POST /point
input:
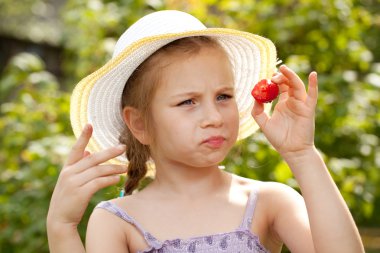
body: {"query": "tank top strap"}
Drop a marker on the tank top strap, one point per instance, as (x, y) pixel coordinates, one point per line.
(250, 207)
(119, 212)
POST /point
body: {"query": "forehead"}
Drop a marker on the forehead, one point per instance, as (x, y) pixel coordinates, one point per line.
(209, 66)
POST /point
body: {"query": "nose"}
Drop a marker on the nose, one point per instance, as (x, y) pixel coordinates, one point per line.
(211, 116)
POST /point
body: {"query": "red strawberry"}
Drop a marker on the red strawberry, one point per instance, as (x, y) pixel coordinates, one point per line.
(265, 91)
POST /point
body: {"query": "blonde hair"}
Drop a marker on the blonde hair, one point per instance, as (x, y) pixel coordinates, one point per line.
(139, 92)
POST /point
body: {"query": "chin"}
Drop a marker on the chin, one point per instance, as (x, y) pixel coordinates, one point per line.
(213, 161)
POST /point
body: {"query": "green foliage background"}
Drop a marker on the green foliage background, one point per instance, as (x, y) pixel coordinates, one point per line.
(336, 38)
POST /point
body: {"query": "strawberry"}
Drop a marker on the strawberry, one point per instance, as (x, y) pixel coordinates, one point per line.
(265, 91)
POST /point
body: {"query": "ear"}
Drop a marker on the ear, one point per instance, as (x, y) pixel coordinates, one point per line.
(135, 122)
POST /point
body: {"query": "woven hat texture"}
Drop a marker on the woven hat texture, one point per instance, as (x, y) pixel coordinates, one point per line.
(97, 98)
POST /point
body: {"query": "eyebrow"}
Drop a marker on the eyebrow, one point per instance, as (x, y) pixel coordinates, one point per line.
(229, 88)
(226, 88)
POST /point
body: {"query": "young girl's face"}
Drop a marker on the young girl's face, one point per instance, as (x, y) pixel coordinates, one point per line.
(195, 115)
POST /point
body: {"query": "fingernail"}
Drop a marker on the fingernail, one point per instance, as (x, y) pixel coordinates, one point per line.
(87, 127)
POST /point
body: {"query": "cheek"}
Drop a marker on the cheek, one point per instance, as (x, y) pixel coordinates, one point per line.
(234, 119)
(165, 127)
(154, 128)
(234, 113)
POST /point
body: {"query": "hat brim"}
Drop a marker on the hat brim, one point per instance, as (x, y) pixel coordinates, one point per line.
(97, 98)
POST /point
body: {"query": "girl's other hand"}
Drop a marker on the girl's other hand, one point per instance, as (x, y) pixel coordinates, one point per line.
(290, 128)
(82, 175)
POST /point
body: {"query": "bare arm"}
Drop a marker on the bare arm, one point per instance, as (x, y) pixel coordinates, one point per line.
(79, 179)
(290, 130)
(113, 240)
(332, 226)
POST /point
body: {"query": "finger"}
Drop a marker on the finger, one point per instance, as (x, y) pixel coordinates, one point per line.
(312, 89)
(279, 78)
(283, 86)
(296, 86)
(283, 89)
(99, 183)
(259, 114)
(100, 171)
(78, 149)
(98, 158)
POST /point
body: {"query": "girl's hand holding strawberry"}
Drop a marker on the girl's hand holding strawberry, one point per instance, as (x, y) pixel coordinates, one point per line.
(290, 128)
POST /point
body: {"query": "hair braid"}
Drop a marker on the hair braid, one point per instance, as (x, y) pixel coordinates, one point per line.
(137, 155)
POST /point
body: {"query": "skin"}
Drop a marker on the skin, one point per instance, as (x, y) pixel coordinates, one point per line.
(197, 114)
(81, 176)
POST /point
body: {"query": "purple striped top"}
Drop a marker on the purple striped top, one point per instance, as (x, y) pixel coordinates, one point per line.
(240, 240)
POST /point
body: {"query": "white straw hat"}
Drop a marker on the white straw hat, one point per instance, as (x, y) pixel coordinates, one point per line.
(97, 98)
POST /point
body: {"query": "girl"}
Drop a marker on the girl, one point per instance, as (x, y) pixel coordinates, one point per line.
(176, 95)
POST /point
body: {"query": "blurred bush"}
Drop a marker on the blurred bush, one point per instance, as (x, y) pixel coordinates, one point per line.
(35, 136)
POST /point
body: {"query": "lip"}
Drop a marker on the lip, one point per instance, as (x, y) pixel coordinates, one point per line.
(214, 141)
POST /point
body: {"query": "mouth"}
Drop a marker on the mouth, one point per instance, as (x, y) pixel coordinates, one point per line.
(214, 141)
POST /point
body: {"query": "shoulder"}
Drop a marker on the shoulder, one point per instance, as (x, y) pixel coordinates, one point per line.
(97, 240)
(275, 191)
(279, 192)
(287, 215)
(280, 212)
(279, 202)
(102, 217)
(114, 211)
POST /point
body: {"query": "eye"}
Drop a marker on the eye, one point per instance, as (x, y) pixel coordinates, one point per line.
(223, 97)
(186, 102)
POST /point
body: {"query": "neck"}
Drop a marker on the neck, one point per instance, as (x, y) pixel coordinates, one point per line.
(191, 182)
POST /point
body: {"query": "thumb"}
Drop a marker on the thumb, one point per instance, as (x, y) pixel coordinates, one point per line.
(259, 114)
